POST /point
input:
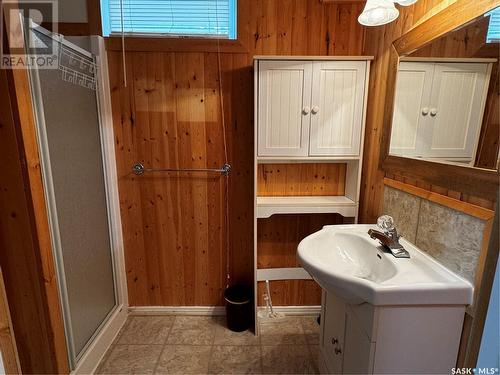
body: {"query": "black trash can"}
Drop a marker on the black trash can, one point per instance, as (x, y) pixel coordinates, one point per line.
(238, 307)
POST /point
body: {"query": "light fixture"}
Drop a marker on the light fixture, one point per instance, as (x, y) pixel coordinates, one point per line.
(378, 12)
(405, 3)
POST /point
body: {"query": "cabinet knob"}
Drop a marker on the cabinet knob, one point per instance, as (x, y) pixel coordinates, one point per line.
(334, 341)
(338, 351)
(425, 111)
(434, 112)
(315, 109)
(306, 110)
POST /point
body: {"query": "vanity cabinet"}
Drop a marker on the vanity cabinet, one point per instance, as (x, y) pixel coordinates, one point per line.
(439, 108)
(367, 339)
(310, 108)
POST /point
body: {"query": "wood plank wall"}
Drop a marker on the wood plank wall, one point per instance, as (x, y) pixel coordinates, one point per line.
(168, 116)
(378, 42)
(20, 256)
(301, 179)
(278, 238)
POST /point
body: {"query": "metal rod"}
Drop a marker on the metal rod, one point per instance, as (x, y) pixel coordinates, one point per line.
(139, 169)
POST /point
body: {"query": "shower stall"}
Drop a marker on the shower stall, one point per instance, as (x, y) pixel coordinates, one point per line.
(75, 141)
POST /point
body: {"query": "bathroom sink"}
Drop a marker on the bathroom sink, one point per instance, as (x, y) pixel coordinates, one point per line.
(344, 260)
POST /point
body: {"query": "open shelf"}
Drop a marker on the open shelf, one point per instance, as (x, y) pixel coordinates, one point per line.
(268, 206)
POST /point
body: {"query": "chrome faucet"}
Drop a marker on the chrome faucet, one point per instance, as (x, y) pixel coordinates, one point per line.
(389, 237)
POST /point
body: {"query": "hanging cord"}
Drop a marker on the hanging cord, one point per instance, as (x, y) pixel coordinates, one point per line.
(223, 120)
(123, 46)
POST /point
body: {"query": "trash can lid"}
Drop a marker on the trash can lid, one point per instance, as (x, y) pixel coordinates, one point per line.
(238, 294)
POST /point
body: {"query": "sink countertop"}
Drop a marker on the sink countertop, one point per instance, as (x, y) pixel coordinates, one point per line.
(345, 260)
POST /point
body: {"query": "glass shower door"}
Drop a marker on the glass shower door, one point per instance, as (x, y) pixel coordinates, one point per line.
(69, 136)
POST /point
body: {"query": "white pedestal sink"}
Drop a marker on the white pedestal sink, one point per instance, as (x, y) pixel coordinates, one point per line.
(382, 314)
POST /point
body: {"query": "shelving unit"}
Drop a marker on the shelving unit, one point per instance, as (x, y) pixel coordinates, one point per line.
(268, 206)
(310, 120)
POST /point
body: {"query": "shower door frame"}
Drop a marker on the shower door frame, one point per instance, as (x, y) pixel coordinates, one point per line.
(87, 360)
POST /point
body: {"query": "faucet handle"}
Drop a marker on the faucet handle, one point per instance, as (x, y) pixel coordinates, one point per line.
(386, 223)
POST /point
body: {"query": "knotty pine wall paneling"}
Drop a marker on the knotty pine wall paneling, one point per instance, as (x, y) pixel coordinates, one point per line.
(306, 179)
(277, 239)
(169, 116)
(25, 257)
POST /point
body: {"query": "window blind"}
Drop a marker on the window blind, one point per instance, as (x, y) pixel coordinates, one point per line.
(215, 18)
(493, 35)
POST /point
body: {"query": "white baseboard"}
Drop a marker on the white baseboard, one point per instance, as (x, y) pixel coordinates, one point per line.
(177, 310)
(215, 310)
(295, 310)
(95, 352)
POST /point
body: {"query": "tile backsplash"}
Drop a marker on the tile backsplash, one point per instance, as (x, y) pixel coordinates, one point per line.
(450, 236)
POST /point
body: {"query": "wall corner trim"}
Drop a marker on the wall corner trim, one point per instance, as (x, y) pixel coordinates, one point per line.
(455, 204)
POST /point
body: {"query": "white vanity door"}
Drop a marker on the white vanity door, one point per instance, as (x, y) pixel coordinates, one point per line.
(284, 100)
(457, 105)
(411, 108)
(333, 327)
(337, 108)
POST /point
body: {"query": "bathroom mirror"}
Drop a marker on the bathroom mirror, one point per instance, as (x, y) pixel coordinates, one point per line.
(446, 101)
(441, 120)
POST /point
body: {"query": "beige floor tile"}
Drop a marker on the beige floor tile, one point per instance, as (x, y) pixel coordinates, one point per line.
(184, 359)
(311, 329)
(235, 360)
(285, 331)
(146, 330)
(131, 359)
(224, 336)
(193, 330)
(287, 359)
(315, 357)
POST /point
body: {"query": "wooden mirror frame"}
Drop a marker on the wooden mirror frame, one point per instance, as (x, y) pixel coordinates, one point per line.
(479, 182)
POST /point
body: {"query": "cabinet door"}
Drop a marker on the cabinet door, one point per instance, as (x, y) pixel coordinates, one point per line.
(337, 107)
(411, 108)
(359, 351)
(457, 106)
(333, 322)
(284, 100)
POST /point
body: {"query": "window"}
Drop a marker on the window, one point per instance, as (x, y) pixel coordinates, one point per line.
(201, 18)
(493, 35)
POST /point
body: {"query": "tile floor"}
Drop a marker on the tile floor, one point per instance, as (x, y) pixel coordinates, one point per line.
(203, 345)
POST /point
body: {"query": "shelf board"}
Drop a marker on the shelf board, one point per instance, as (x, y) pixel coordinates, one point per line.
(271, 274)
(268, 206)
(308, 159)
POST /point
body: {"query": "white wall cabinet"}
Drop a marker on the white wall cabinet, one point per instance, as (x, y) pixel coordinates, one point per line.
(367, 339)
(337, 107)
(284, 104)
(310, 108)
(439, 109)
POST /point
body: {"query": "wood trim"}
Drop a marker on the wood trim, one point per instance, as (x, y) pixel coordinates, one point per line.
(25, 121)
(450, 59)
(474, 181)
(486, 274)
(482, 183)
(94, 17)
(444, 200)
(8, 347)
(168, 44)
(450, 18)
